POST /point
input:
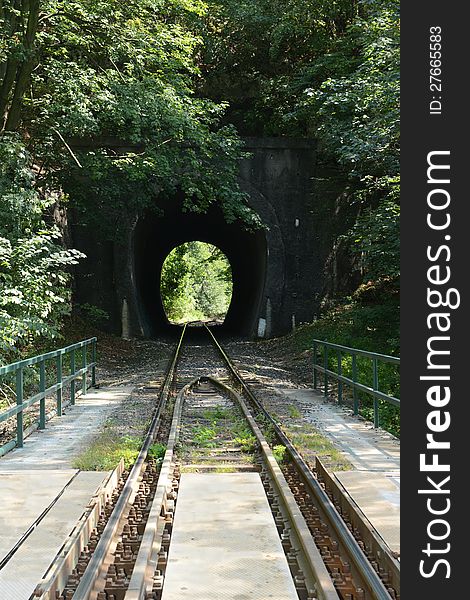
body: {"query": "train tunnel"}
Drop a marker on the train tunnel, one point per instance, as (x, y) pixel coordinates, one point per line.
(156, 236)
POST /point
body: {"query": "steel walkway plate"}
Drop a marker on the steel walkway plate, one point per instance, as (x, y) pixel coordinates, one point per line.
(378, 497)
(225, 542)
(23, 497)
(21, 574)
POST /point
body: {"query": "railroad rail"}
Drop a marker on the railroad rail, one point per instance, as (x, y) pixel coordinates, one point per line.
(371, 561)
(128, 556)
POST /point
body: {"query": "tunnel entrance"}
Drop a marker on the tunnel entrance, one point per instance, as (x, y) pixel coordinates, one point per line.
(196, 284)
(278, 272)
(155, 236)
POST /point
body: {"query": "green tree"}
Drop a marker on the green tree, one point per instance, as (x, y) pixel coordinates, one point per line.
(18, 55)
(196, 282)
(34, 267)
(328, 70)
(120, 103)
(114, 115)
(258, 56)
(102, 97)
(357, 119)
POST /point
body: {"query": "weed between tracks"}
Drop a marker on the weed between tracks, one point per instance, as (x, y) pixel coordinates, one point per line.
(216, 437)
(314, 442)
(294, 412)
(121, 435)
(106, 451)
(226, 426)
(304, 437)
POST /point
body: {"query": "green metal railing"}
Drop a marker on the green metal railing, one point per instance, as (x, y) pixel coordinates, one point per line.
(59, 357)
(326, 351)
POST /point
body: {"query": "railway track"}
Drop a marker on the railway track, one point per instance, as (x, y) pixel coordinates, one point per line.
(207, 420)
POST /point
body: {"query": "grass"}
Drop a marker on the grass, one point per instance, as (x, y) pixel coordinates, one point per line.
(106, 450)
(244, 437)
(218, 426)
(357, 323)
(220, 469)
(217, 413)
(157, 451)
(247, 443)
(267, 428)
(313, 441)
(203, 436)
(279, 452)
(224, 420)
(294, 412)
(306, 439)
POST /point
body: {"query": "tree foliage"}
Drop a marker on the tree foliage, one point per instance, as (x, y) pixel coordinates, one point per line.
(323, 69)
(18, 23)
(34, 274)
(357, 119)
(112, 111)
(112, 105)
(196, 283)
(98, 108)
(261, 56)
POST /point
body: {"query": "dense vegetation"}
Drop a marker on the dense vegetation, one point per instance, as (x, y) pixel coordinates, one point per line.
(196, 283)
(34, 279)
(360, 323)
(179, 81)
(323, 69)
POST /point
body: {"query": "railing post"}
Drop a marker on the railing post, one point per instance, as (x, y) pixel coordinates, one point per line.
(19, 402)
(72, 372)
(93, 360)
(376, 387)
(340, 372)
(315, 376)
(354, 377)
(38, 399)
(42, 390)
(84, 366)
(325, 367)
(59, 383)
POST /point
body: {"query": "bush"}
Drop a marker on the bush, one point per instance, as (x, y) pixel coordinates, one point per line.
(34, 267)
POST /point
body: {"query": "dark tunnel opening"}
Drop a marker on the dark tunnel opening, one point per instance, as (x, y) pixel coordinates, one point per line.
(154, 238)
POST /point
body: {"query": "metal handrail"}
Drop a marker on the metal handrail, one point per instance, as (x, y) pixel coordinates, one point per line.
(356, 385)
(18, 368)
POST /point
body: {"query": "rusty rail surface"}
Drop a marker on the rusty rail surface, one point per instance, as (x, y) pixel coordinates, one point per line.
(93, 579)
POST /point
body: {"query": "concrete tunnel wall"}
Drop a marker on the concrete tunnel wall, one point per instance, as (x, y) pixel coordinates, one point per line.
(155, 237)
(278, 272)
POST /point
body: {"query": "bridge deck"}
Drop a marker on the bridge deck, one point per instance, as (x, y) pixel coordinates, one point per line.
(24, 496)
(224, 538)
(378, 497)
(31, 479)
(374, 482)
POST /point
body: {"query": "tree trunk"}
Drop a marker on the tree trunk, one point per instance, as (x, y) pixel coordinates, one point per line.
(9, 64)
(18, 74)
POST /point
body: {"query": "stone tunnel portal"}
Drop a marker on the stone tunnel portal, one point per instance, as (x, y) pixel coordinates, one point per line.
(153, 239)
(278, 273)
